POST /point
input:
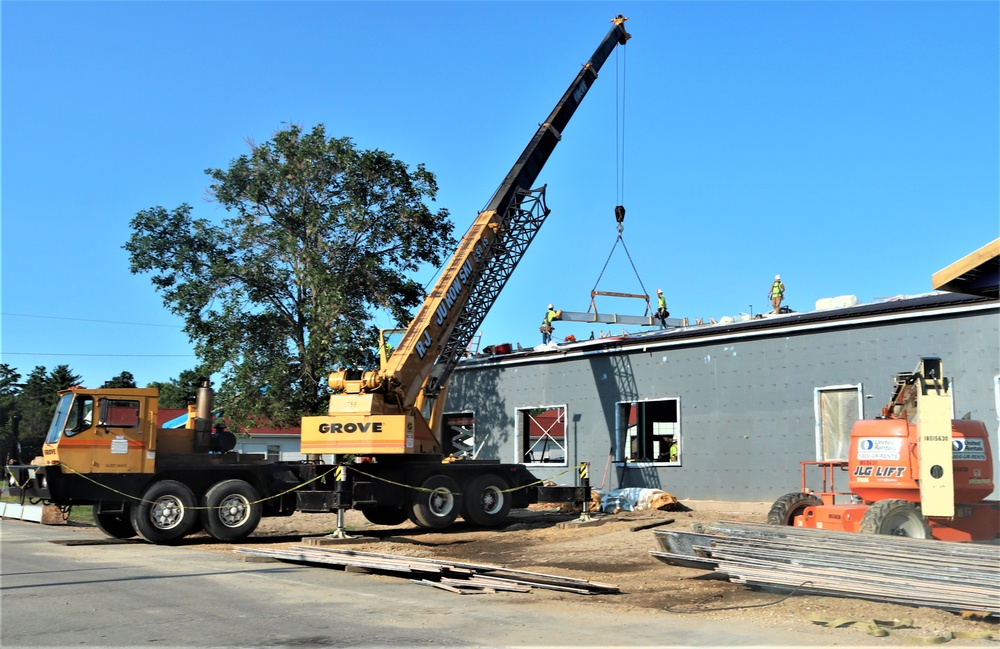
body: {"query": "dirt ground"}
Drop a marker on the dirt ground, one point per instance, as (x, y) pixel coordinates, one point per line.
(611, 552)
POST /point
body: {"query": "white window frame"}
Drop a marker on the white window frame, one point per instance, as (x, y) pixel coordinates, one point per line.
(622, 436)
(818, 414)
(520, 434)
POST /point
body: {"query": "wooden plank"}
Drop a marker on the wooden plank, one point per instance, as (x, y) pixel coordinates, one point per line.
(953, 271)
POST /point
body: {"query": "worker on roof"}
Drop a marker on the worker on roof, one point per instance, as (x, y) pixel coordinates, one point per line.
(661, 308)
(547, 327)
(777, 293)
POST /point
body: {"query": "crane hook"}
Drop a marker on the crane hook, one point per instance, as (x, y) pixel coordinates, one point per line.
(620, 217)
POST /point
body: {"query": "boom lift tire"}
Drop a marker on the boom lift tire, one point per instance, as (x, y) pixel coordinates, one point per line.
(384, 515)
(785, 509)
(232, 510)
(166, 512)
(114, 524)
(894, 517)
(437, 504)
(486, 501)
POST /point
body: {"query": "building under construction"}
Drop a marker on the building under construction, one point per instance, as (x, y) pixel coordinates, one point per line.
(726, 412)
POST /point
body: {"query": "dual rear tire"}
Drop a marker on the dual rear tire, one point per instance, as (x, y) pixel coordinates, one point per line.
(230, 511)
(485, 502)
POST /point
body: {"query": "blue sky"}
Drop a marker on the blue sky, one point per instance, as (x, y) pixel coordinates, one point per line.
(851, 147)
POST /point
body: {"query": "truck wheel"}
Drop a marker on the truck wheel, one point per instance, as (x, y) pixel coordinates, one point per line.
(785, 509)
(166, 512)
(895, 517)
(384, 515)
(232, 510)
(437, 505)
(486, 502)
(114, 524)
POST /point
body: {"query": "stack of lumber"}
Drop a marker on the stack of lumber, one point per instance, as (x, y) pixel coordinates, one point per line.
(453, 576)
(915, 572)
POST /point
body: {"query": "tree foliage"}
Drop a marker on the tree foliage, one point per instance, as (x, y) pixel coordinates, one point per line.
(176, 392)
(318, 236)
(123, 380)
(36, 402)
(9, 391)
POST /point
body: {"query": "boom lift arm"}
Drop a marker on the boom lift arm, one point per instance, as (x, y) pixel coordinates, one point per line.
(923, 397)
(389, 410)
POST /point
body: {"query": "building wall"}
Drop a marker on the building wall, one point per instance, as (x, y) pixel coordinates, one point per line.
(747, 396)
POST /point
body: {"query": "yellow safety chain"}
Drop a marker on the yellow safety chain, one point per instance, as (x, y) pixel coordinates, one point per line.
(338, 473)
(19, 486)
(322, 476)
(425, 489)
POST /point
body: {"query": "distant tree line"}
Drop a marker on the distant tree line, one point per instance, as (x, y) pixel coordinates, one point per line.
(30, 405)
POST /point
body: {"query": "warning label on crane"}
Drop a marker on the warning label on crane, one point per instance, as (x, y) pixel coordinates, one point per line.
(879, 448)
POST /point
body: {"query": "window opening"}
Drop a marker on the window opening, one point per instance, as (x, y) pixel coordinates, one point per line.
(122, 414)
(837, 408)
(542, 434)
(460, 435)
(81, 415)
(274, 452)
(649, 431)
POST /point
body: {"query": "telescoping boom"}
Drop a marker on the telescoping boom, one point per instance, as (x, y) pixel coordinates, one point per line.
(393, 410)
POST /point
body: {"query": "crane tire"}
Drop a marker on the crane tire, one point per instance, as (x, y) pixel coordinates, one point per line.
(231, 510)
(785, 509)
(114, 524)
(895, 517)
(437, 504)
(487, 502)
(166, 513)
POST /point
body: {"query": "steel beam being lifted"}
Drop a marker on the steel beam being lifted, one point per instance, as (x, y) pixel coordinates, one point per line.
(614, 318)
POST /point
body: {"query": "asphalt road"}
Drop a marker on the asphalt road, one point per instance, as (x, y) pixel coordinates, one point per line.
(67, 587)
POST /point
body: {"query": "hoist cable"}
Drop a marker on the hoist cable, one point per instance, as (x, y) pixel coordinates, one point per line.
(606, 263)
(625, 248)
(627, 254)
(620, 126)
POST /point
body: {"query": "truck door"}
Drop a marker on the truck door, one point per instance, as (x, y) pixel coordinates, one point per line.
(123, 440)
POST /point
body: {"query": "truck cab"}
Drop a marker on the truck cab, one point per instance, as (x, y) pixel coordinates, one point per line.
(103, 431)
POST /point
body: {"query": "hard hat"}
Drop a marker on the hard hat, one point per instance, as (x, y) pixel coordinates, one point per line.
(550, 306)
(777, 277)
(659, 290)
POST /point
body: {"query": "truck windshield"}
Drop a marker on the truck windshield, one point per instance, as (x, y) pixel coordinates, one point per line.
(62, 409)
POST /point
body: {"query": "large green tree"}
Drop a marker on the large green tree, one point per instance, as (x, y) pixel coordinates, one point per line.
(318, 236)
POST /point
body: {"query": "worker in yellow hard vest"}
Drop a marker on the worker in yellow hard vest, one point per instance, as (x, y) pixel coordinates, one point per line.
(777, 293)
(547, 327)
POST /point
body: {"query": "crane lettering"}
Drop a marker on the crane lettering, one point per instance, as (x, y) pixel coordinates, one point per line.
(453, 291)
(352, 427)
(424, 344)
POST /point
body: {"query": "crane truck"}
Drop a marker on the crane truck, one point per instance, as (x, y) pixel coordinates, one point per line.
(913, 472)
(384, 426)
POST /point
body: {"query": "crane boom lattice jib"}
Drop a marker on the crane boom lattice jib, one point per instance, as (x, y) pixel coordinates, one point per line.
(390, 411)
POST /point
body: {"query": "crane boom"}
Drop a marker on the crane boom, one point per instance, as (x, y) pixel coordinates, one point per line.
(388, 410)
